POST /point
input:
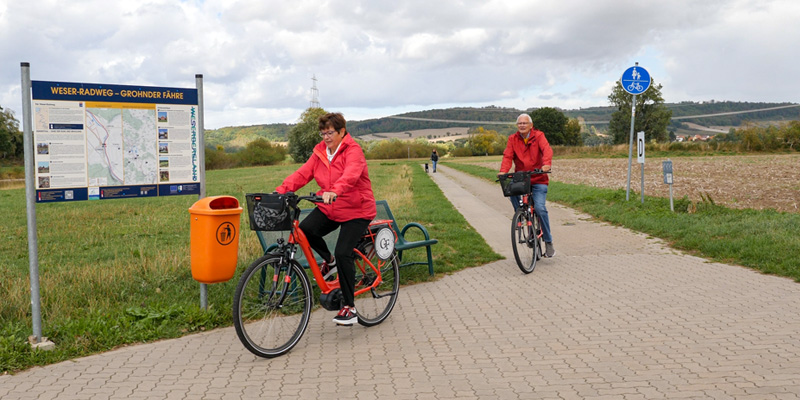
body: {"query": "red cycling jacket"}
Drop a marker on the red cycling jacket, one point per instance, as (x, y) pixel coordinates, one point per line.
(346, 175)
(526, 157)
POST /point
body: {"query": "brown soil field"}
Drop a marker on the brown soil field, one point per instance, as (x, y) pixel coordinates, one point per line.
(444, 134)
(757, 182)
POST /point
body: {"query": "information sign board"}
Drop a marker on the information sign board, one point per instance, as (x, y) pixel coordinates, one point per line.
(98, 141)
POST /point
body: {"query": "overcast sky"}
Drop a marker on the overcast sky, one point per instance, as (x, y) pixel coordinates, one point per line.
(374, 58)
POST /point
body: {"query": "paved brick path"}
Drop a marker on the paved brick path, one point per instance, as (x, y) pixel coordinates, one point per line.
(615, 315)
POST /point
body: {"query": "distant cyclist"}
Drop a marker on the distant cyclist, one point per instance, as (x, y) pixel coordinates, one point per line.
(339, 168)
(528, 149)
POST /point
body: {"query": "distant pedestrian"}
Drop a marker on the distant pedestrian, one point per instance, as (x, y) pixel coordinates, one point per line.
(434, 159)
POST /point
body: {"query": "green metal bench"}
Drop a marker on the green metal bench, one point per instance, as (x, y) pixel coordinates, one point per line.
(268, 239)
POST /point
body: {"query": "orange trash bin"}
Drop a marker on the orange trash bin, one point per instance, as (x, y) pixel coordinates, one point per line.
(214, 233)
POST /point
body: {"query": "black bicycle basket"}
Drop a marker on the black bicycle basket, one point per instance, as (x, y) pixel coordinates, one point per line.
(268, 212)
(516, 184)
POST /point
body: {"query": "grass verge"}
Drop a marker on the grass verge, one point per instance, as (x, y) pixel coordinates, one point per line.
(765, 240)
(118, 272)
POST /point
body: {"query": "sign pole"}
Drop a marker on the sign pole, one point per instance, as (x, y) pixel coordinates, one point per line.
(202, 166)
(666, 167)
(630, 147)
(30, 200)
(640, 155)
(642, 183)
(635, 80)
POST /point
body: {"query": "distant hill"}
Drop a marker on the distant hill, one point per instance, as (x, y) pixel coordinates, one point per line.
(688, 118)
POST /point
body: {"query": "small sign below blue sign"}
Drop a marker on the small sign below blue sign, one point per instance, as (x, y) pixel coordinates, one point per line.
(635, 80)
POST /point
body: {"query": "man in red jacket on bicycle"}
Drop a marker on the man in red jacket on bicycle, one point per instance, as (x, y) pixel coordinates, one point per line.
(528, 149)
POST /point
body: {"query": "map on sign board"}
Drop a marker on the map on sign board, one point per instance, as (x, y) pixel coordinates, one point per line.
(109, 141)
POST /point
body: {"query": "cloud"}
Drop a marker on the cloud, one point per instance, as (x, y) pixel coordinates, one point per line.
(258, 57)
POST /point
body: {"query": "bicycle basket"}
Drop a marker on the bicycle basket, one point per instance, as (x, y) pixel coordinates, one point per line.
(516, 184)
(268, 212)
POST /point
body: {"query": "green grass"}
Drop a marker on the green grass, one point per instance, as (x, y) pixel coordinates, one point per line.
(765, 240)
(118, 272)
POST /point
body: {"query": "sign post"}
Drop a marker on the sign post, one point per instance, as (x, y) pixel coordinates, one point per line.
(635, 80)
(640, 156)
(666, 167)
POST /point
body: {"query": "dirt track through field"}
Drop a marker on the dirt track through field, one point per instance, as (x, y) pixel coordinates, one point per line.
(758, 182)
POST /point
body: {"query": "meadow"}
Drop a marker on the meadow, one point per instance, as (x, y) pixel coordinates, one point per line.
(117, 272)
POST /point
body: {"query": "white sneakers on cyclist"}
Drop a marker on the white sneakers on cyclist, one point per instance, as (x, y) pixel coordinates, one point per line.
(347, 316)
(328, 269)
(549, 251)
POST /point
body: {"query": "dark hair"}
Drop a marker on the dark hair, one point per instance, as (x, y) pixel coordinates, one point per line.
(333, 120)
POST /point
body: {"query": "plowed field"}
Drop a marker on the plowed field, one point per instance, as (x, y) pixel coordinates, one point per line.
(758, 182)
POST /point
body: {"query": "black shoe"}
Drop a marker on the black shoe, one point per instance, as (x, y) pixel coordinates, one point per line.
(328, 270)
(347, 316)
(549, 250)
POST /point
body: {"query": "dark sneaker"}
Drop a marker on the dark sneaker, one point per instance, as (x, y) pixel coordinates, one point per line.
(347, 316)
(549, 250)
(328, 270)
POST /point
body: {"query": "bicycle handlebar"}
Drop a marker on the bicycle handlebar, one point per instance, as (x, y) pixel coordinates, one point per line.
(511, 174)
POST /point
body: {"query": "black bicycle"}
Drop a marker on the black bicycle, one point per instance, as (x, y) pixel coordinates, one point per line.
(526, 226)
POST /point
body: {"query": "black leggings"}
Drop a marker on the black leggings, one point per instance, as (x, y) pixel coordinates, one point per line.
(316, 225)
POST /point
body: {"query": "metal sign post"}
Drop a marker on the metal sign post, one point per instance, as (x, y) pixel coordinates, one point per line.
(640, 156)
(666, 167)
(201, 144)
(30, 201)
(635, 80)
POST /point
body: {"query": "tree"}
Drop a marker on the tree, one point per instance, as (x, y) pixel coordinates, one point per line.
(550, 121)
(652, 116)
(262, 152)
(305, 135)
(10, 136)
(487, 142)
(572, 133)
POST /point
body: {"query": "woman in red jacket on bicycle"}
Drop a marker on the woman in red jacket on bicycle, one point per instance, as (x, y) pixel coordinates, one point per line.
(339, 167)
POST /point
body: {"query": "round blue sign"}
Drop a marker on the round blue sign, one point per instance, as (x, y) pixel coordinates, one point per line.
(635, 80)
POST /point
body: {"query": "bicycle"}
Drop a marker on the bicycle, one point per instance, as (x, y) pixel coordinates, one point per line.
(526, 226)
(273, 300)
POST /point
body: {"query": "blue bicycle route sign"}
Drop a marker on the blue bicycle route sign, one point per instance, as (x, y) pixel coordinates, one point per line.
(635, 80)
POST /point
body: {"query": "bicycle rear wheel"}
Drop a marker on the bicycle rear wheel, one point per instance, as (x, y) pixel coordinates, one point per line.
(271, 306)
(374, 305)
(523, 240)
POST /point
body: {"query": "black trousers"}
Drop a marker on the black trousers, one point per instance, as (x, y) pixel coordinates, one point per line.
(316, 225)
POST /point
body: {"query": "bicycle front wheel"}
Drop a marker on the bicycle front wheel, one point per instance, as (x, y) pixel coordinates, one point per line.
(271, 306)
(375, 304)
(523, 240)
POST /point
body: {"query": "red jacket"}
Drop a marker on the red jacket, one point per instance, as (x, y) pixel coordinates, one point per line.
(533, 155)
(346, 175)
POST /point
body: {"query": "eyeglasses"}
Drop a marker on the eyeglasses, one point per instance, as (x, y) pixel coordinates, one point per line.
(523, 123)
(326, 133)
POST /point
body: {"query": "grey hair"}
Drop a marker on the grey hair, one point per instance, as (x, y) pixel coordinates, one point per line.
(528, 117)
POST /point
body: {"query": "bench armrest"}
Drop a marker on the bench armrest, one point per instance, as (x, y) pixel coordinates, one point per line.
(414, 225)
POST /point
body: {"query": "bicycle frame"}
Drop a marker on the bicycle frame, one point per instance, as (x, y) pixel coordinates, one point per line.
(298, 238)
(526, 201)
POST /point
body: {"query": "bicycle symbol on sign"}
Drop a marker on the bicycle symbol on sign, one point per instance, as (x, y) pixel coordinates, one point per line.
(635, 85)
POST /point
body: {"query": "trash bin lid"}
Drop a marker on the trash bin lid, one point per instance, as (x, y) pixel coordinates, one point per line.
(216, 205)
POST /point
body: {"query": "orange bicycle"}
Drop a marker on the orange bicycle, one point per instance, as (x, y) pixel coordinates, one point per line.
(273, 301)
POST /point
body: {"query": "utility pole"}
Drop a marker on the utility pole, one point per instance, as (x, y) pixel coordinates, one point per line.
(314, 92)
